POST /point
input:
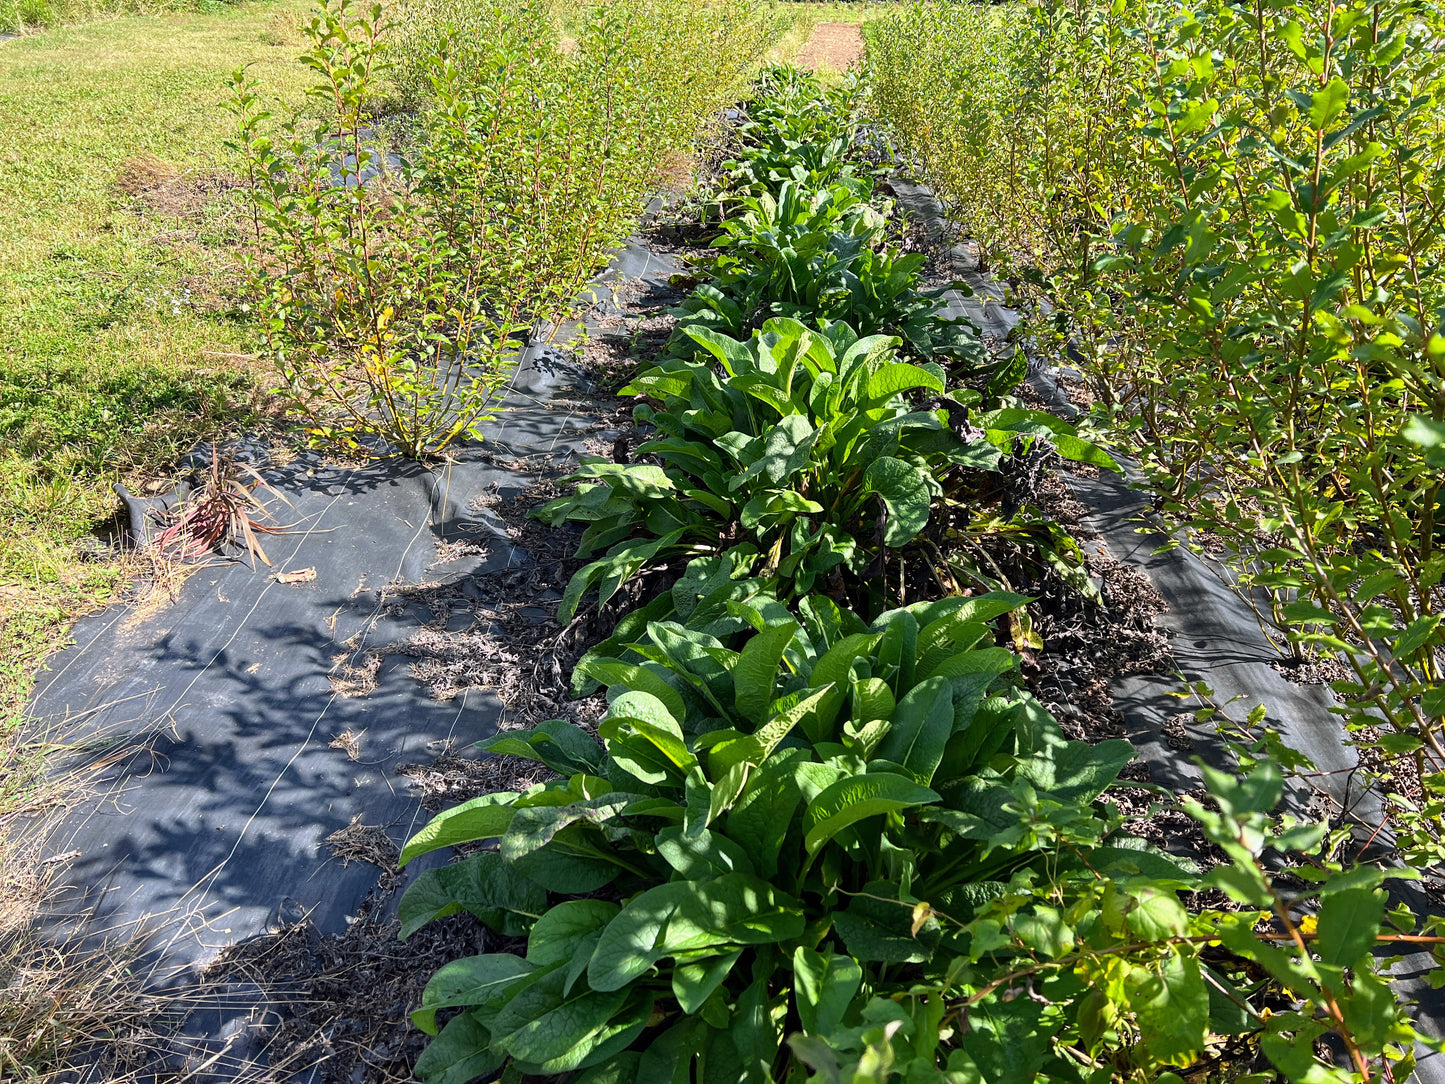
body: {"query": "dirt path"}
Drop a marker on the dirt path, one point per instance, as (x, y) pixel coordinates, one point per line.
(832, 45)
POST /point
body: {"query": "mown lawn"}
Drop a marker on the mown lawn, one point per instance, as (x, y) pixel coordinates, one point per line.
(120, 345)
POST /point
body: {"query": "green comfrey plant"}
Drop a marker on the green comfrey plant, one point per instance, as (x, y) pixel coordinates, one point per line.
(799, 446)
(1110, 978)
(757, 841)
(797, 130)
(818, 255)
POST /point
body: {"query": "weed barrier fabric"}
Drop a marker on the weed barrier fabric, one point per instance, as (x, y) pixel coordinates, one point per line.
(1214, 637)
(214, 716)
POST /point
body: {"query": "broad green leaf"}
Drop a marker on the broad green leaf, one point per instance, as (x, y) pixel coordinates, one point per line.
(568, 864)
(757, 670)
(621, 563)
(1076, 771)
(556, 937)
(877, 927)
(837, 661)
(618, 1069)
(947, 638)
(856, 798)
(991, 661)
(694, 983)
(1349, 922)
(1171, 1004)
(756, 1031)
(1256, 792)
(481, 818)
(1045, 930)
(1157, 915)
(611, 672)
(554, 1030)
(533, 827)
(1007, 1040)
(459, 1055)
(472, 980)
(681, 916)
(560, 745)
(890, 379)
(905, 495)
(756, 748)
(1328, 103)
(823, 986)
(873, 699)
(921, 725)
(782, 452)
(899, 649)
(482, 884)
(761, 817)
(701, 855)
(669, 1057)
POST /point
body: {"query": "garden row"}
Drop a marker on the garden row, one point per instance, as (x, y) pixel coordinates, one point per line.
(822, 832)
(1231, 217)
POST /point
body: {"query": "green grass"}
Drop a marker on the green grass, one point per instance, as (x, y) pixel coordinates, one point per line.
(120, 344)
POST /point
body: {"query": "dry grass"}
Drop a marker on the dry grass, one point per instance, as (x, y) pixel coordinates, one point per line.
(58, 1005)
(161, 188)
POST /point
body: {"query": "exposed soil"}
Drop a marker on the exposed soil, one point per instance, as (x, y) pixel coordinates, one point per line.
(158, 187)
(832, 45)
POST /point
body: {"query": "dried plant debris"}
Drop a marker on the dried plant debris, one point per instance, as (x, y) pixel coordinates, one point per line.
(450, 779)
(1175, 731)
(349, 742)
(351, 676)
(448, 550)
(222, 514)
(329, 1009)
(1319, 670)
(1087, 646)
(158, 187)
(359, 842)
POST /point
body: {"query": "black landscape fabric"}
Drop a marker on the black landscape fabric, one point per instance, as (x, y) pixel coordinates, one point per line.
(263, 710)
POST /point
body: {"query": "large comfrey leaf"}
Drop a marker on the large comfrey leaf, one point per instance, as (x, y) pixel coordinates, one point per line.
(483, 884)
(905, 492)
(685, 916)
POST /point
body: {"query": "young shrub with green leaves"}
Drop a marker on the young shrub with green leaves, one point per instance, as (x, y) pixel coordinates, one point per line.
(394, 290)
(1232, 212)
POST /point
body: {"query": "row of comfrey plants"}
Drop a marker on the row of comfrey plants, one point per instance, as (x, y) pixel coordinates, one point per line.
(464, 170)
(824, 840)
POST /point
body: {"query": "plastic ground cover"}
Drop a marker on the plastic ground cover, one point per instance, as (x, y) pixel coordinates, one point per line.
(216, 714)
